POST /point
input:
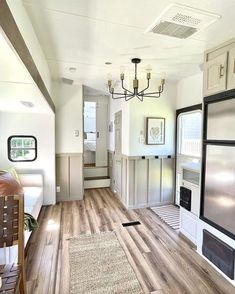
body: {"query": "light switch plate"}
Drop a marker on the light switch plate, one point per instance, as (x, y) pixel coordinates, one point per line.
(57, 189)
(76, 133)
(141, 140)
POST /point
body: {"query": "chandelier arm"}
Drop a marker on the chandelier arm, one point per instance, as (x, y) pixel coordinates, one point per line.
(140, 97)
(116, 93)
(130, 97)
(126, 89)
(123, 96)
(151, 96)
(153, 93)
(158, 92)
(139, 93)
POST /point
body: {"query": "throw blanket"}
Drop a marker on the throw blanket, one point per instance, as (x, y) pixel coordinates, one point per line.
(30, 223)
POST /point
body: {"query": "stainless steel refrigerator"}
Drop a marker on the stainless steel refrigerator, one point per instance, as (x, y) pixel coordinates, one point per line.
(218, 163)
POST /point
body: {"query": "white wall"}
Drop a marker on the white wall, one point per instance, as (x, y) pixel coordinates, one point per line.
(134, 113)
(23, 22)
(189, 91)
(42, 126)
(69, 117)
(161, 107)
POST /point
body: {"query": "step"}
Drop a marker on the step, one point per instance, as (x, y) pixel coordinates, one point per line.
(95, 171)
(96, 182)
(96, 178)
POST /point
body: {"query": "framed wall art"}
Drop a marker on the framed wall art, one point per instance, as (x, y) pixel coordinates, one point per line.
(155, 131)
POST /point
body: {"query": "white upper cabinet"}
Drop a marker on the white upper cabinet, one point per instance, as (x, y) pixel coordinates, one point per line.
(219, 69)
(231, 69)
(215, 75)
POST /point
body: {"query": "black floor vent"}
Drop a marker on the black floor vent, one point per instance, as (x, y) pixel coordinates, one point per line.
(133, 223)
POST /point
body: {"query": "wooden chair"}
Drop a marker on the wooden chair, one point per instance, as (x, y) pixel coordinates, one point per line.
(12, 233)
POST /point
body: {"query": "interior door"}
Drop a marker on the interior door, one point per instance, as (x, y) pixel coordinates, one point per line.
(118, 151)
(102, 130)
(118, 132)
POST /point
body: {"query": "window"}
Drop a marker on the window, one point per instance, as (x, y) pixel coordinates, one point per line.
(190, 133)
(22, 148)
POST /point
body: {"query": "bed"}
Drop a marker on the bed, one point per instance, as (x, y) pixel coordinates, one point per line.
(89, 151)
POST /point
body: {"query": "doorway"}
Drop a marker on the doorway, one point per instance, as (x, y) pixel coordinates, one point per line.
(90, 134)
(95, 142)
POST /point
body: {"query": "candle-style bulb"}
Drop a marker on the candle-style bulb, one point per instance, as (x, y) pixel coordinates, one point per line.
(122, 69)
(163, 81)
(148, 68)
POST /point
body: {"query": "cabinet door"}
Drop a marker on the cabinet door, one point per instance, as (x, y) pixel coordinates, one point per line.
(215, 75)
(231, 69)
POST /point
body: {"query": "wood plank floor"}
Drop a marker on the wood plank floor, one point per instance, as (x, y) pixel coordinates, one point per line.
(162, 260)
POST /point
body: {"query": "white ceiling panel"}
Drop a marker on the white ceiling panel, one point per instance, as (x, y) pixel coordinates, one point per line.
(86, 34)
(16, 84)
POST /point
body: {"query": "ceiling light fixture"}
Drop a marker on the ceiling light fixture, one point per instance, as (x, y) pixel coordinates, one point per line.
(108, 63)
(127, 94)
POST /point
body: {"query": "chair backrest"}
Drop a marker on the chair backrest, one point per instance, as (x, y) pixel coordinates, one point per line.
(12, 223)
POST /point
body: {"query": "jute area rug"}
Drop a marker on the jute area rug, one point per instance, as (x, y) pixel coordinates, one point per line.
(98, 264)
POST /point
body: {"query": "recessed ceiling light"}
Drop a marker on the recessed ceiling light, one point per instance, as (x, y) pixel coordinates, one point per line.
(72, 69)
(108, 63)
(27, 104)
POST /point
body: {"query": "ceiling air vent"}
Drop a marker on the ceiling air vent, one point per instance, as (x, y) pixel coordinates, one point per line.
(181, 21)
(67, 81)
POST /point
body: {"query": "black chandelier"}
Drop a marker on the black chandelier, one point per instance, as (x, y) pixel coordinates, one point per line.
(127, 95)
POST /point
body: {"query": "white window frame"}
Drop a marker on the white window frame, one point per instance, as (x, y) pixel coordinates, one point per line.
(179, 131)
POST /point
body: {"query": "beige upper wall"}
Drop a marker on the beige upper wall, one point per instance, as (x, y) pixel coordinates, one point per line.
(69, 117)
(189, 91)
(24, 24)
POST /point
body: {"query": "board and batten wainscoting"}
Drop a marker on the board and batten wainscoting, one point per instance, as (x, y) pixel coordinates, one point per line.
(69, 176)
(142, 181)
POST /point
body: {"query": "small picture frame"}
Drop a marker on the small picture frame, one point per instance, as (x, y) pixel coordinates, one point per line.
(155, 130)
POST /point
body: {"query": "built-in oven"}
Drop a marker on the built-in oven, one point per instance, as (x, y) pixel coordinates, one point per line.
(185, 198)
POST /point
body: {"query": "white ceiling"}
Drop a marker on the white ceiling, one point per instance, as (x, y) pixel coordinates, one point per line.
(16, 83)
(87, 33)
